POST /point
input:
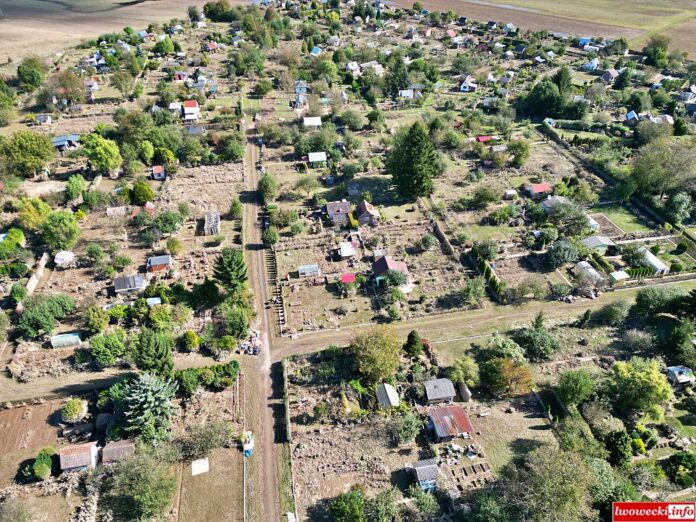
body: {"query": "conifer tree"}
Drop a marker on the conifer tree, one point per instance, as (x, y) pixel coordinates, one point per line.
(413, 162)
(230, 269)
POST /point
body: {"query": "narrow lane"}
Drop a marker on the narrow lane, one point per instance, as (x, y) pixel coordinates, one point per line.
(255, 254)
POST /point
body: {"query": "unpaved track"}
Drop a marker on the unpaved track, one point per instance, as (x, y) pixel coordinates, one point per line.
(257, 276)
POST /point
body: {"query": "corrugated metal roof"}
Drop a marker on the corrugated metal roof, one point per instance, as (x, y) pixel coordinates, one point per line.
(450, 421)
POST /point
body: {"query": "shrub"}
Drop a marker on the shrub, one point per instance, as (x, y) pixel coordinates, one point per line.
(613, 313)
(74, 411)
(682, 247)
(676, 267)
(638, 446)
(638, 340)
(43, 464)
(191, 341)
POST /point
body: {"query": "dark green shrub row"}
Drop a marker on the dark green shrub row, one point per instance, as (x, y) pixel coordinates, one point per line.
(219, 376)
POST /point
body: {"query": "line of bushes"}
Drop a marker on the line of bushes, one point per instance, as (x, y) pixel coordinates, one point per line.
(495, 284)
(219, 376)
(601, 264)
(639, 272)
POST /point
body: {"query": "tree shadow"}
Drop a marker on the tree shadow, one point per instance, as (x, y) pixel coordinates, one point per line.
(522, 446)
(319, 511)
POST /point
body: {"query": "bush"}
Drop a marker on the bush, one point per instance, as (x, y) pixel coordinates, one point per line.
(638, 340)
(43, 464)
(74, 411)
(682, 247)
(613, 314)
(405, 428)
(638, 446)
(575, 386)
(676, 267)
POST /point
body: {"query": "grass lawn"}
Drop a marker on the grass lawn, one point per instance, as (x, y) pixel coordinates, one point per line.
(508, 436)
(287, 501)
(683, 420)
(623, 218)
(216, 495)
(500, 233)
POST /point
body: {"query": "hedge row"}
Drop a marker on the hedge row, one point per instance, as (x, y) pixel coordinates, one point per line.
(219, 376)
(489, 274)
(639, 272)
(598, 261)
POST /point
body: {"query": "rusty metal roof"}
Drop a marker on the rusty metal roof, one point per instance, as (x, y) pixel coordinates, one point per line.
(450, 421)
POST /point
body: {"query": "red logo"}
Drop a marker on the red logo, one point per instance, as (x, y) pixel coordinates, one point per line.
(653, 512)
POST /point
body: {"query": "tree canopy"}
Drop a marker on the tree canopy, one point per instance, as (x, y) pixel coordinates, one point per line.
(413, 162)
(26, 153)
(377, 353)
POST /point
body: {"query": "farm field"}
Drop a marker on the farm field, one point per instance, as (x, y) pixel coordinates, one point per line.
(46, 27)
(607, 18)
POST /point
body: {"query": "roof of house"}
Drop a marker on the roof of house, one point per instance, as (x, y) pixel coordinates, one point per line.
(159, 260)
(386, 395)
(386, 263)
(133, 282)
(77, 456)
(66, 138)
(316, 156)
(158, 169)
(118, 450)
(539, 188)
(346, 248)
(439, 389)
(597, 241)
(425, 470)
(312, 121)
(347, 278)
(190, 104)
(450, 421)
(334, 208)
(365, 207)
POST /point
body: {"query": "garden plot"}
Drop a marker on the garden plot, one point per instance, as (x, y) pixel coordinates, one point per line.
(510, 429)
(515, 270)
(204, 188)
(25, 430)
(328, 459)
(616, 220)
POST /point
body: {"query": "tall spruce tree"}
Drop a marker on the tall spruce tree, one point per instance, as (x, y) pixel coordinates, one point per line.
(153, 352)
(147, 406)
(230, 269)
(413, 162)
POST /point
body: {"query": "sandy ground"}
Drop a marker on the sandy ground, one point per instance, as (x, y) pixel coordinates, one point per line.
(45, 27)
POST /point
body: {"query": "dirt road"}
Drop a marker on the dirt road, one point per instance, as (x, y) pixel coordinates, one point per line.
(255, 255)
